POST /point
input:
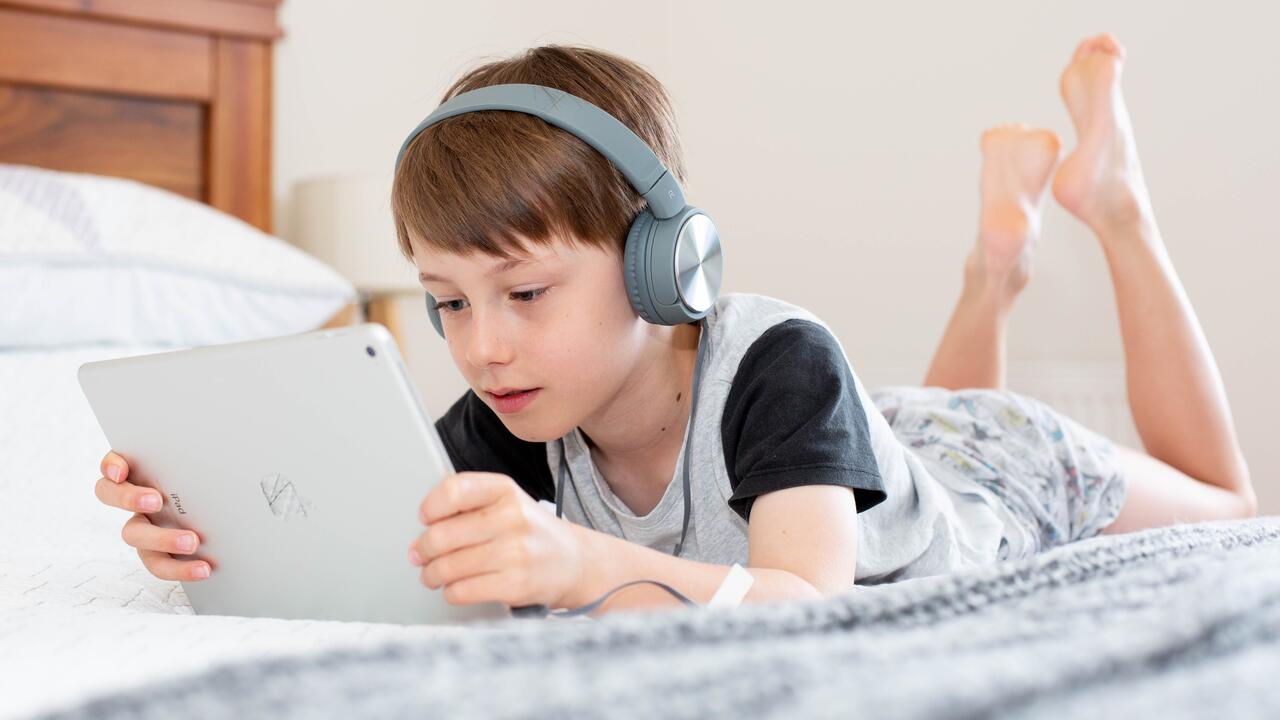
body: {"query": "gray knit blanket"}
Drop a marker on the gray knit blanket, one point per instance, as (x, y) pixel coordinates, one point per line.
(1176, 622)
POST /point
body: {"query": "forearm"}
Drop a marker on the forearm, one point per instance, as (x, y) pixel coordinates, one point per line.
(609, 562)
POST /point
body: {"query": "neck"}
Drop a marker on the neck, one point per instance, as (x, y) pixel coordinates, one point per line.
(640, 432)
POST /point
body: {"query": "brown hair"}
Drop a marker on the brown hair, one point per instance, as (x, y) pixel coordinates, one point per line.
(484, 180)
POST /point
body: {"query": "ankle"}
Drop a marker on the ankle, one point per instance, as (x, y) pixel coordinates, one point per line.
(1122, 209)
(994, 290)
(986, 294)
(1134, 233)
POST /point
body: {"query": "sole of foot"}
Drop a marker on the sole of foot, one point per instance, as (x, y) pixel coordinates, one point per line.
(1017, 163)
(1100, 181)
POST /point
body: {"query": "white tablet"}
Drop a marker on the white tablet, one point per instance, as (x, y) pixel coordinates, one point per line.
(300, 461)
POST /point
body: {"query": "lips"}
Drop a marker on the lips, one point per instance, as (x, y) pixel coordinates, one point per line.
(504, 390)
(512, 401)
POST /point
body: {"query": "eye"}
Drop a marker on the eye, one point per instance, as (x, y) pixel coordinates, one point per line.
(448, 306)
(524, 296)
(528, 296)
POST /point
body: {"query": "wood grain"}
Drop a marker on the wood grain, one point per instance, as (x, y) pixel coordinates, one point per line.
(175, 93)
(158, 142)
(90, 55)
(240, 131)
(243, 18)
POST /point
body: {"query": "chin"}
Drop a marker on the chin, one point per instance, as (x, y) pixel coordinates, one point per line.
(533, 434)
(530, 429)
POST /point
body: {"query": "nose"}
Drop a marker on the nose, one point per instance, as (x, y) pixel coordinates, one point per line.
(486, 344)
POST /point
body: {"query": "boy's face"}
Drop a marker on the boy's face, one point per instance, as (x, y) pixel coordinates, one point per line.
(557, 319)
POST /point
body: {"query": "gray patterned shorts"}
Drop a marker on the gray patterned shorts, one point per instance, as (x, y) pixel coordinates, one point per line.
(1060, 478)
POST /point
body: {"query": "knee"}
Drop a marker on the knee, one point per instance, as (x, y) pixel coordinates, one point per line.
(1250, 502)
(1244, 481)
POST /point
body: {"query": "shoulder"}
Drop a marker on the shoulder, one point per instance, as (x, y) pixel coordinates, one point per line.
(477, 441)
(796, 356)
(794, 415)
(803, 343)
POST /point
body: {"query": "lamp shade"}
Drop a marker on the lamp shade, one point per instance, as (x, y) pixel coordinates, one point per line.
(345, 221)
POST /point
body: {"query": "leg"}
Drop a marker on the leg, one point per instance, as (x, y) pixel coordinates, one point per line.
(1160, 495)
(1176, 394)
(1016, 165)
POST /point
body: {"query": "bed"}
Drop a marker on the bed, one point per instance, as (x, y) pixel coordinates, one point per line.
(174, 94)
(1176, 622)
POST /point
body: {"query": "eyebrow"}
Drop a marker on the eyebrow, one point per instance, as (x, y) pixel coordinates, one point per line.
(497, 269)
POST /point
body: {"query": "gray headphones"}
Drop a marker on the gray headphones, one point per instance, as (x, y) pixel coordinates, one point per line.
(672, 260)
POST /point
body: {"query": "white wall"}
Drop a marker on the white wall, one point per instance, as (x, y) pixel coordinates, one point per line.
(836, 145)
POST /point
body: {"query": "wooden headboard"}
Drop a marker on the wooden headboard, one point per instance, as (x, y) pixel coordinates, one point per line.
(174, 93)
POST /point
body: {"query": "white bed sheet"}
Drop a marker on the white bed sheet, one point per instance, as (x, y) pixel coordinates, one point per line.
(79, 614)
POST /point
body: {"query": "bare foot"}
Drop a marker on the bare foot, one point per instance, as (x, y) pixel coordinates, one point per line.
(1017, 162)
(1101, 181)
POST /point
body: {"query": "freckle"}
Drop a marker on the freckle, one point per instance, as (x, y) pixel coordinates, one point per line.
(664, 429)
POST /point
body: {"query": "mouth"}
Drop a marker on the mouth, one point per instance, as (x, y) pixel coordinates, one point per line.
(506, 392)
(511, 400)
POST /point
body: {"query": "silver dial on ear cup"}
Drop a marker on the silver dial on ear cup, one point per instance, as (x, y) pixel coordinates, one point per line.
(699, 264)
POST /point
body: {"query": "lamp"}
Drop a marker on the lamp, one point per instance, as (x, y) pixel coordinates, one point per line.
(345, 221)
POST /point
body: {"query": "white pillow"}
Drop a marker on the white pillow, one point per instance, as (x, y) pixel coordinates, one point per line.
(86, 259)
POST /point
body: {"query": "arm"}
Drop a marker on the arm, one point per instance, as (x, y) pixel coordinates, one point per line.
(487, 540)
(803, 545)
(800, 461)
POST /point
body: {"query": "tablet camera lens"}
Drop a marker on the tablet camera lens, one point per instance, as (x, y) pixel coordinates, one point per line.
(369, 349)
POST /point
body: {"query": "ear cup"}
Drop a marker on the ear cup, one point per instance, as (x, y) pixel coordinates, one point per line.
(434, 315)
(673, 266)
(635, 266)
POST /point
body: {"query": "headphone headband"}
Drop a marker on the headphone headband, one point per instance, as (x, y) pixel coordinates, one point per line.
(602, 131)
(671, 257)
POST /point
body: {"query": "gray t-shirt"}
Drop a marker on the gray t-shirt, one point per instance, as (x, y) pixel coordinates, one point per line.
(778, 406)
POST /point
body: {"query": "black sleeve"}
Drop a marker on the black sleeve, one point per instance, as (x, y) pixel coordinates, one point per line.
(793, 417)
(477, 441)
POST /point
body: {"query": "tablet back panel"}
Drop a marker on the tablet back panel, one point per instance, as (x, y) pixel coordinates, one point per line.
(301, 462)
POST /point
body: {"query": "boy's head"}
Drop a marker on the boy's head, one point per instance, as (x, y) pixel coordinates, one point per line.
(485, 188)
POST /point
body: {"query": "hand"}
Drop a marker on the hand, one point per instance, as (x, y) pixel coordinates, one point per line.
(154, 543)
(488, 541)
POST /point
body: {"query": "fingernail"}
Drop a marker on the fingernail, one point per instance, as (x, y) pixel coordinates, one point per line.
(149, 502)
(414, 557)
(113, 472)
(186, 543)
(200, 571)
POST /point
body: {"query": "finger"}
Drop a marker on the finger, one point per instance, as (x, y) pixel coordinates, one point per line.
(465, 563)
(460, 531)
(140, 533)
(114, 467)
(128, 496)
(464, 491)
(168, 568)
(491, 587)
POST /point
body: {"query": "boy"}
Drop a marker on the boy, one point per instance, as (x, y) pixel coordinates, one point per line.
(517, 228)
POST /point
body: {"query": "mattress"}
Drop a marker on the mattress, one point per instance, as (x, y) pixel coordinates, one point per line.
(79, 614)
(1180, 622)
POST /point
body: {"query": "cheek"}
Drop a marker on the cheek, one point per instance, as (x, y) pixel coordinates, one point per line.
(587, 354)
(607, 354)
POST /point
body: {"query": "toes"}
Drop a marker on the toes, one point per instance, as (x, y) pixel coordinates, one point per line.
(1018, 130)
(1108, 42)
(1049, 139)
(1102, 42)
